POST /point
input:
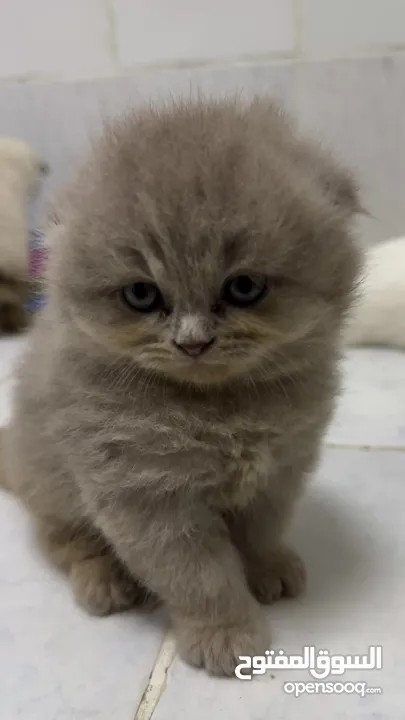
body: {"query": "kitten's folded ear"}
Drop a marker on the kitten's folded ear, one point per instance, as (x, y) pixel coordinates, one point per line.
(336, 181)
(342, 189)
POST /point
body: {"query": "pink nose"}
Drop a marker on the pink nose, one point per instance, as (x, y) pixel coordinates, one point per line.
(195, 349)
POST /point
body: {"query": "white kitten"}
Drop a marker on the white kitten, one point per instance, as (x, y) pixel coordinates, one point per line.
(20, 172)
(379, 316)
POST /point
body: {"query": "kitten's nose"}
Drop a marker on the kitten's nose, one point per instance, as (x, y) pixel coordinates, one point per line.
(196, 348)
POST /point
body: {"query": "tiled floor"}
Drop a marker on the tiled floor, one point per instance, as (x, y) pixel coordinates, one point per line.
(56, 663)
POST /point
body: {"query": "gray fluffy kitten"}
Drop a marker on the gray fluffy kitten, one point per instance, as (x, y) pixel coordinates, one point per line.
(176, 388)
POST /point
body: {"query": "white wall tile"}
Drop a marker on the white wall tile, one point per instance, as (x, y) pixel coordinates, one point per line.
(331, 27)
(54, 36)
(60, 118)
(154, 30)
(357, 107)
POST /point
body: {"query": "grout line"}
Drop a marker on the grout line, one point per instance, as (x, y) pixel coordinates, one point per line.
(157, 682)
(112, 31)
(296, 18)
(364, 447)
(214, 63)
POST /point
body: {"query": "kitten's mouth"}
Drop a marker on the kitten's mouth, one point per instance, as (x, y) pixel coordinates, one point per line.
(192, 365)
(195, 349)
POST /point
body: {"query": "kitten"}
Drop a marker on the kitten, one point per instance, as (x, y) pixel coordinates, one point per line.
(378, 318)
(20, 172)
(177, 385)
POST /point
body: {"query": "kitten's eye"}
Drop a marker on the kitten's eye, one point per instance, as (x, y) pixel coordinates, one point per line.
(142, 296)
(244, 290)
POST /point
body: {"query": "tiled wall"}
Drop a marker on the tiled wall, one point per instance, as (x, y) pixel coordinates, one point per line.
(98, 37)
(336, 27)
(339, 64)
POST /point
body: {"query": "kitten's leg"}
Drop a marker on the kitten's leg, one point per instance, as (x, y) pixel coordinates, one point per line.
(281, 573)
(185, 556)
(100, 582)
(272, 568)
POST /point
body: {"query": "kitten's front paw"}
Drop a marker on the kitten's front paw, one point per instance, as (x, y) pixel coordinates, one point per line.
(282, 573)
(102, 586)
(218, 648)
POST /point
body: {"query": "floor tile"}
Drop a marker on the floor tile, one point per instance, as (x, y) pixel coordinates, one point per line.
(371, 408)
(350, 530)
(57, 662)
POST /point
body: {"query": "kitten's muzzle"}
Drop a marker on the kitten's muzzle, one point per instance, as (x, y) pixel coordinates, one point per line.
(195, 349)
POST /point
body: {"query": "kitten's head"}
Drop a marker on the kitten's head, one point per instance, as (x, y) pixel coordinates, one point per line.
(207, 241)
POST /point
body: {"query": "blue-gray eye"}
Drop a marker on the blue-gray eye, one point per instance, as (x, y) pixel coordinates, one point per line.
(244, 290)
(142, 296)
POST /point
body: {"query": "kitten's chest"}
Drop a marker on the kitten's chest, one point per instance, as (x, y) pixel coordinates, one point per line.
(246, 462)
(247, 470)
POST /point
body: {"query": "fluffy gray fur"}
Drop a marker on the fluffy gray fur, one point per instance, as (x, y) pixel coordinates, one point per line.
(153, 474)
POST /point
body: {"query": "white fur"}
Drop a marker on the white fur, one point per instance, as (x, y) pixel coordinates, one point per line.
(191, 330)
(20, 172)
(379, 316)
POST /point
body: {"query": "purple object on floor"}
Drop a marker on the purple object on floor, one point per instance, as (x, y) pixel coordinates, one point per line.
(38, 255)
